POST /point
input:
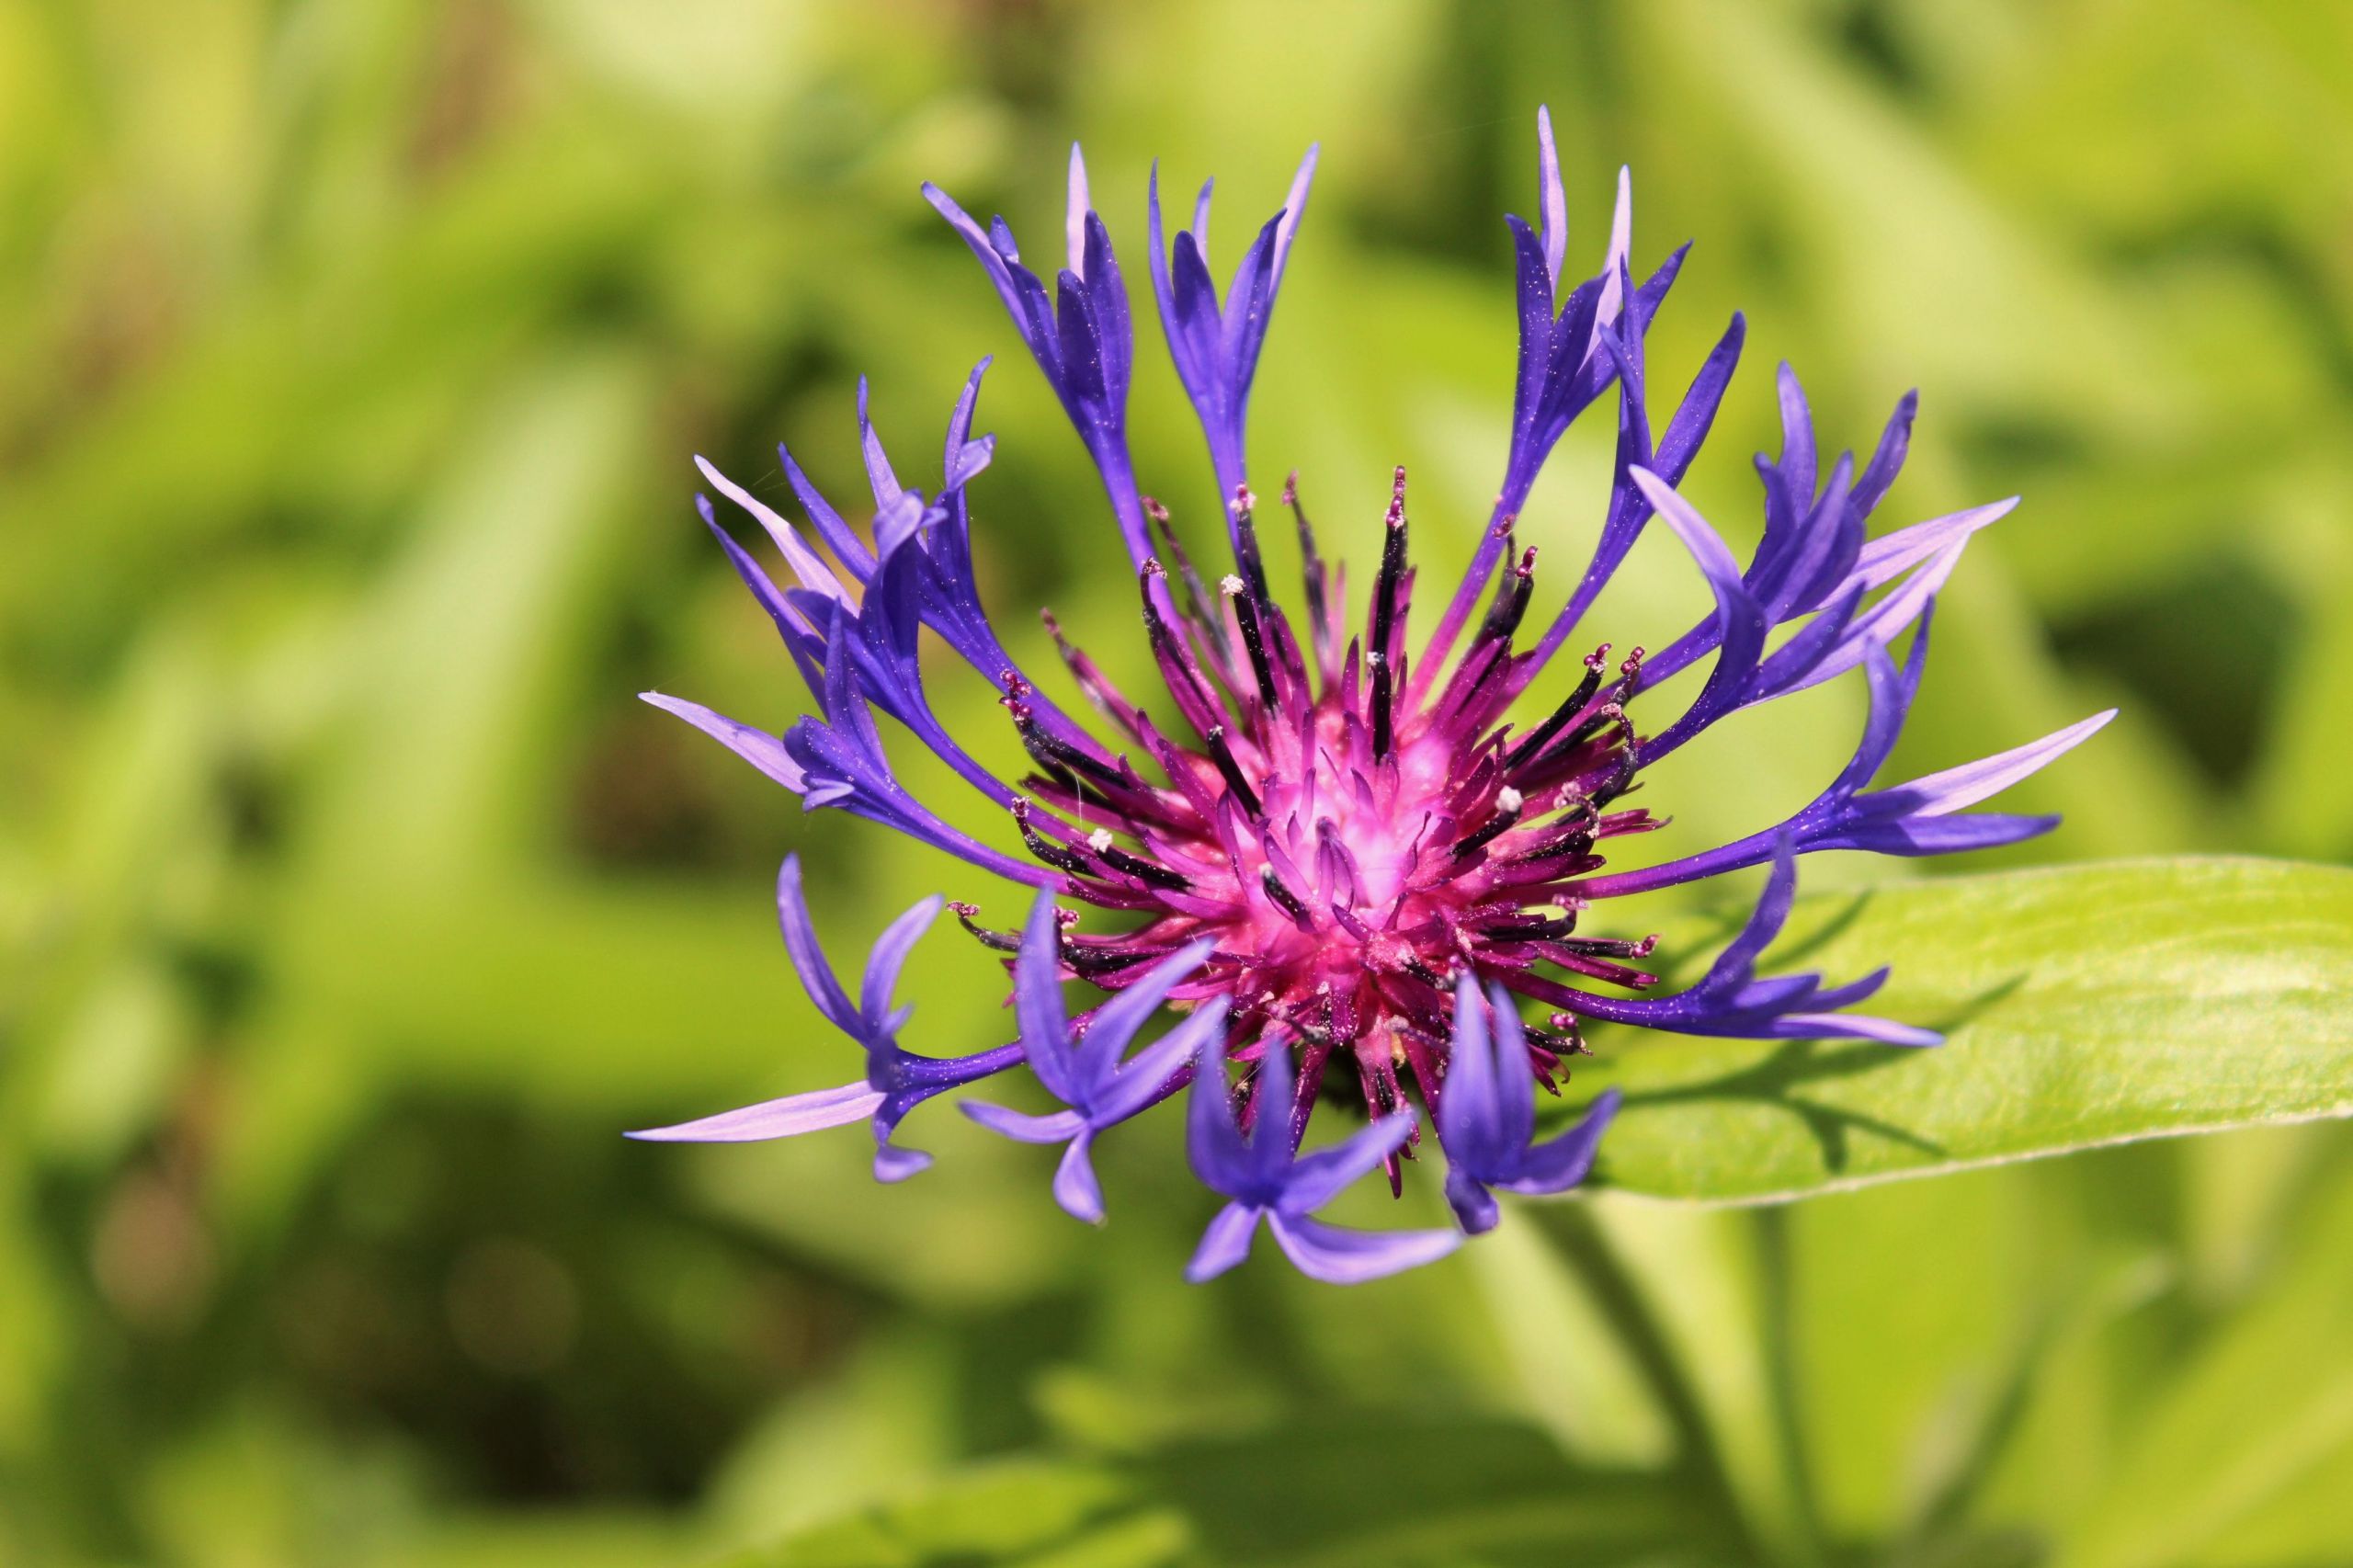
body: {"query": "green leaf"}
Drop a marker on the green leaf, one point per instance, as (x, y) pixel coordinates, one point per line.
(2084, 1006)
(1474, 1491)
(992, 1515)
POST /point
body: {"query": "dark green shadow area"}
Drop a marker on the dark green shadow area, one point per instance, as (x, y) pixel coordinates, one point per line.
(1775, 1082)
(1386, 1488)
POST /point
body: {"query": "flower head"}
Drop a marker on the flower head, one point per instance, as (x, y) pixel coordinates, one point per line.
(1344, 857)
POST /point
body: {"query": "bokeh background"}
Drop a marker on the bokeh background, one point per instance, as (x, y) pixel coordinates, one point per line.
(351, 906)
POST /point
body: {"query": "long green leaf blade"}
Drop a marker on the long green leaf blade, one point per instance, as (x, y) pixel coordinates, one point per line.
(2084, 1006)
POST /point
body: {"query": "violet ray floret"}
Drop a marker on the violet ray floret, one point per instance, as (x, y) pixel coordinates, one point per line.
(1084, 1069)
(1486, 1113)
(1731, 1000)
(896, 1081)
(1264, 1178)
(1214, 343)
(1341, 852)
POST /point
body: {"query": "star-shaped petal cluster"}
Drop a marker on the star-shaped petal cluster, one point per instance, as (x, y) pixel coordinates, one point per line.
(1341, 859)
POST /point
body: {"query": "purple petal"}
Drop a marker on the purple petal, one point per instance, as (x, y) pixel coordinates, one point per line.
(839, 538)
(992, 260)
(797, 615)
(1740, 621)
(1075, 212)
(1887, 461)
(1891, 701)
(1886, 621)
(1275, 1125)
(1855, 1026)
(1559, 1164)
(1294, 209)
(1552, 202)
(1939, 794)
(1697, 413)
(1738, 960)
(1628, 512)
(1075, 1187)
(1315, 1180)
(1469, 1119)
(1933, 835)
(1798, 457)
(1515, 1078)
(1038, 1002)
(762, 750)
(808, 957)
(1801, 658)
(1117, 1021)
(1022, 1127)
(1212, 1138)
(890, 956)
(896, 521)
(1157, 263)
(775, 1118)
(1827, 540)
(1621, 243)
(1225, 1243)
(1351, 1257)
(971, 460)
(1698, 536)
(959, 428)
(1891, 555)
(811, 571)
(1475, 1207)
(1534, 299)
(892, 1164)
(1139, 1084)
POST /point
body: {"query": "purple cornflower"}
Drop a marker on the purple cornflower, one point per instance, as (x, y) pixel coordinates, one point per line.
(1342, 860)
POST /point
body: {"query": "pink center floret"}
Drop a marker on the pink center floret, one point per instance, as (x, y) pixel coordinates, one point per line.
(1351, 841)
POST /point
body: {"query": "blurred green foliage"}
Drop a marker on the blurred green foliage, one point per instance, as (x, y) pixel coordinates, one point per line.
(350, 905)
